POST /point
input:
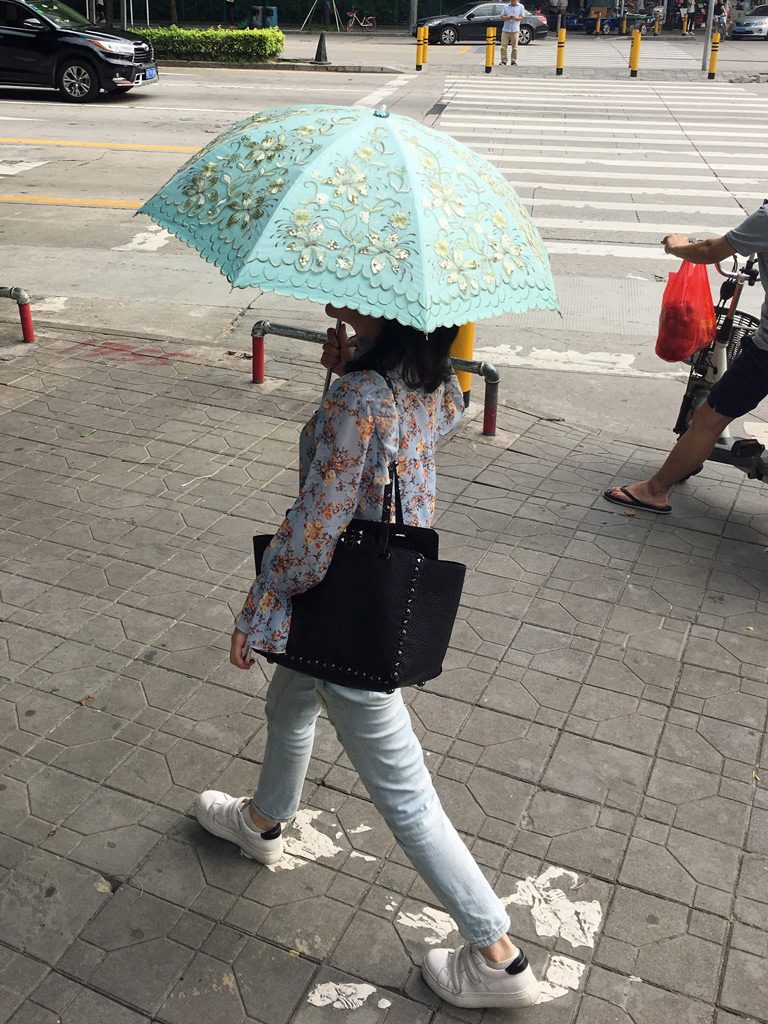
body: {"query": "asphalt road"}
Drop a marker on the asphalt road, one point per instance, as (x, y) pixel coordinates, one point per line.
(607, 166)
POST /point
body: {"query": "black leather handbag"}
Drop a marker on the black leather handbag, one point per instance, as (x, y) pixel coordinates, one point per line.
(382, 616)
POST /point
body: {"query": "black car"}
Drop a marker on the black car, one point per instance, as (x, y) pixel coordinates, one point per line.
(44, 42)
(470, 23)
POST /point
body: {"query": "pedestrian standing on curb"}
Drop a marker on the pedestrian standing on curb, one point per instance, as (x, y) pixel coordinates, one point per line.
(718, 18)
(393, 400)
(511, 14)
(691, 8)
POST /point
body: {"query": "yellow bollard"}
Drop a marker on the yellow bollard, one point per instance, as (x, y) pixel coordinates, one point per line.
(631, 47)
(713, 55)
(425, 45)
(685, 23)
(657, 25)
(419, 47)
(634, 54)
(490, 44)
(597, 25)
(624, 25)
(464, 348)
(560, 51)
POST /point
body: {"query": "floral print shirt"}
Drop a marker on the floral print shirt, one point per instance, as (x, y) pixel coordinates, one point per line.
(345, 451)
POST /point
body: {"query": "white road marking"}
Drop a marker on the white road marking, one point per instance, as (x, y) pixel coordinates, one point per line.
(563, 976)
(565, 148)
(674, 89)
(373, 99)
(552, 117)
(643, 143)
(625, 226)
(719, 193)
(584, 102)
(539, 127)
(597, 204)
(436, 923)
(50, 304)
(341, 996)
(662, 166)
(553, 913)
(151, 240)
(758, 430)
(9, 167)
(11, 117)
(309, 845)
(628, 176)
(609, 364)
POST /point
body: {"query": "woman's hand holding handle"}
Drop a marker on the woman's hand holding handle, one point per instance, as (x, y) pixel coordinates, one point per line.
(336, 351)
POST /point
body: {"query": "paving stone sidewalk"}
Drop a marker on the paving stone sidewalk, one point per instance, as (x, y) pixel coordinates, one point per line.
(597, 736)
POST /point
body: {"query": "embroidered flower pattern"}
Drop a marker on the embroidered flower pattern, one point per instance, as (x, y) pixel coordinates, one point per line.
(303, 199)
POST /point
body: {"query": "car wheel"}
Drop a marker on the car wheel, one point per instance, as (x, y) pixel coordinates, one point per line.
(606, 29)
(525, 36)
(448, 35)
(77, 81)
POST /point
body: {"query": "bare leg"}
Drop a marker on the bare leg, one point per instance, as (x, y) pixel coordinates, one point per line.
(688, 454)
(500, 950)
(261, 823)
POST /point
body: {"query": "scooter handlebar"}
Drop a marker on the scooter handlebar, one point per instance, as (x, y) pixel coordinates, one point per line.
(748, 274)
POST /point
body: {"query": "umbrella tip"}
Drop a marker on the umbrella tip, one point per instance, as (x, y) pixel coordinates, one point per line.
(381, 111)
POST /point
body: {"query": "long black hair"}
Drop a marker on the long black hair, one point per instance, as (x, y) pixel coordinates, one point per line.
(423, 359)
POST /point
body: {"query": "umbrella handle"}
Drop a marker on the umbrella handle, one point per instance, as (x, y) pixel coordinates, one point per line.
(330, 372)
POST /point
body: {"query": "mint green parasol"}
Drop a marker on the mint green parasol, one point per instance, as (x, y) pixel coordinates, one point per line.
(361, 208)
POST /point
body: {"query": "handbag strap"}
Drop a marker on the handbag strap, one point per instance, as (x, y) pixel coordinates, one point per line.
(393, 485)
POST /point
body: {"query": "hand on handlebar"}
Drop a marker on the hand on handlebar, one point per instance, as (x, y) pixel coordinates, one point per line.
(672, 242)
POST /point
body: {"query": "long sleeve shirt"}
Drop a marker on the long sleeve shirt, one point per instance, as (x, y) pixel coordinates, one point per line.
(345, 451)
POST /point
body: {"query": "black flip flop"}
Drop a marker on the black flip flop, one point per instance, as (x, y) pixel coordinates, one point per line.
(633, 502)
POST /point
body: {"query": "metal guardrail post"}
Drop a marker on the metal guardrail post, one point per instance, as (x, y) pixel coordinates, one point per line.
(21, 299)
(492, 380)
(487, 371)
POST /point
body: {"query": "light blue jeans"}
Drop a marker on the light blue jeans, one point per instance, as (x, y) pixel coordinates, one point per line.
(376, 733)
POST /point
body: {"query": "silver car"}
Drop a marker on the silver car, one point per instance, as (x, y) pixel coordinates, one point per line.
(753, 25)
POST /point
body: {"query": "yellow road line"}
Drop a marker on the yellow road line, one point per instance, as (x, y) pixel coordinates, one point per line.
(100, 145)
(118, 204)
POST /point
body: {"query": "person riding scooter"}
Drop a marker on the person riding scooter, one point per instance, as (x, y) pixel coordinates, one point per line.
(741, 388)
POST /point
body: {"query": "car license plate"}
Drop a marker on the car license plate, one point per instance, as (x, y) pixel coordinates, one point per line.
(150, 73)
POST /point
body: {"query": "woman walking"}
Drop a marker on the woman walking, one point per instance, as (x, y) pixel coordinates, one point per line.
(394, 398)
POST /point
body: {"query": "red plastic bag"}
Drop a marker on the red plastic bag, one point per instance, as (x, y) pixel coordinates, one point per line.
(687, 319)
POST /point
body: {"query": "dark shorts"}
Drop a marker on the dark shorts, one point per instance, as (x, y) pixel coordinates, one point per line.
(744, 384)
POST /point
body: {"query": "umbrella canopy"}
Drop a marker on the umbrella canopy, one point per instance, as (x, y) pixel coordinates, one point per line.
(361, 208)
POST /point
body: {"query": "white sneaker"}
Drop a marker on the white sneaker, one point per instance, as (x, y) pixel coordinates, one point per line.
(224, 816)
(464, 978)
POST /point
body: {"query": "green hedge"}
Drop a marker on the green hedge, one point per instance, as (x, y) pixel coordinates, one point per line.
(229, 46)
